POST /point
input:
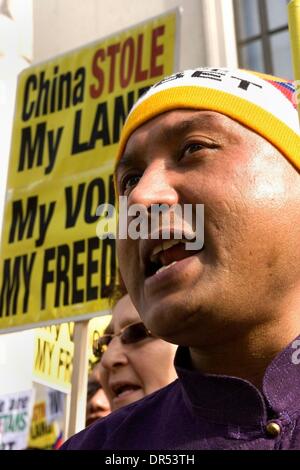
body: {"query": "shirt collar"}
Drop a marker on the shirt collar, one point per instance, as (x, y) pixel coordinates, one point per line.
(225, 399)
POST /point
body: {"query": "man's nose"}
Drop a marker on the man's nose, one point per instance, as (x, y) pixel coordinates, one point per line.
(154, 187)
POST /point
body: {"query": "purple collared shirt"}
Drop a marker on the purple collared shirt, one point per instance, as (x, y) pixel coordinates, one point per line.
(201, 411)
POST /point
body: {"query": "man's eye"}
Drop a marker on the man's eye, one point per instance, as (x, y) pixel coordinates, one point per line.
(129, 182)
(192, 148)
(195, 147)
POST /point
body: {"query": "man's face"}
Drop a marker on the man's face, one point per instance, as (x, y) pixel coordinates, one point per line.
(250, 259)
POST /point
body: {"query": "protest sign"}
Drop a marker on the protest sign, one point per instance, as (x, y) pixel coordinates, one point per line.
(54, 351)
(15, 417)
(43, 433)
(68, 117)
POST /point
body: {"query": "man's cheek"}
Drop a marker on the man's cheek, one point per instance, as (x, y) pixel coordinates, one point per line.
(127, 262)
(121, 250)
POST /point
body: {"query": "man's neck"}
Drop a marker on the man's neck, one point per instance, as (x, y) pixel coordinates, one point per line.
(247, 356)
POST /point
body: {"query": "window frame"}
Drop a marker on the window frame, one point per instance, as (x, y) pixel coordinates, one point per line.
(264, 36)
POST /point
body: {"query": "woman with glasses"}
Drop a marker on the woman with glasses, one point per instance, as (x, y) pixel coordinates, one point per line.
(133, 363)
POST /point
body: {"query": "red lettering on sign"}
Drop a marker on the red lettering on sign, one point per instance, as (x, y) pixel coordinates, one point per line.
(140, 74)
(132, 59)
(127, 61)
(156, 50)
(112, 51)
(95, 91)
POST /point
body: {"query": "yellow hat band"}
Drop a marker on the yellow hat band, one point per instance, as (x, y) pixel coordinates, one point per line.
(194, 97)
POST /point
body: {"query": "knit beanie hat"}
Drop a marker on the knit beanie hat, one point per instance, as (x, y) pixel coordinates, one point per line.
(264, 103)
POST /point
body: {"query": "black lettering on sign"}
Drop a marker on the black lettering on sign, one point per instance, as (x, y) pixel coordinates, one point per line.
(77, 272)
(62, 279)
(77, 145)
(45, 218)
(27, 271)
(72, 210)
(111, 191)
(33, 147)
(91, 199)
(16, 271)
(96, 186)
(83, 271)
(108, 259)
(23, 221)
(92, 268)
(62, 96)
(121, 113)
(78, 91)
(28, 106)
(32, 150)
(100, 130)
(45, 95)
(53, 143)
(48, 274)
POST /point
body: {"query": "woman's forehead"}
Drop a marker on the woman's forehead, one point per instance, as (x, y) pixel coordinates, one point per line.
(123, 314)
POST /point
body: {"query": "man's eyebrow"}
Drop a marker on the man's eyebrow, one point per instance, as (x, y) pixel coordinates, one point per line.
(126, 161)
(205, 120)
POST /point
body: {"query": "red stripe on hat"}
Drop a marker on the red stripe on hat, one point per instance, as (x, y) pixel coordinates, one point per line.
(287, 89)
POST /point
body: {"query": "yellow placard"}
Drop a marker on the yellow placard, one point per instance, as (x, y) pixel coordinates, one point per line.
(53, 356)
(54, 350)
(42, 433)
(68, 117)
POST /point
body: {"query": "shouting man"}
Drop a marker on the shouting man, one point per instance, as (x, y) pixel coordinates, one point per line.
(228, 140)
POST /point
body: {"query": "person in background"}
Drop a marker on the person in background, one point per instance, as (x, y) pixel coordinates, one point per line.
(133, 363)
(97, 406)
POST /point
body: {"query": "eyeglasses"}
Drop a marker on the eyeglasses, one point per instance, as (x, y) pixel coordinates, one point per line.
(128, 335)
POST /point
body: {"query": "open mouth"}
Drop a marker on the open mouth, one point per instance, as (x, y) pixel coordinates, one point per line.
(123, 389)
(165, 255)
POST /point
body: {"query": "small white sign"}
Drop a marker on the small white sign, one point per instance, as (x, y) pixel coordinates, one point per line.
(15, 419)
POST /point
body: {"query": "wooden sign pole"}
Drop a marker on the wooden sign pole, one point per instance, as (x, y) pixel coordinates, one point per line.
(79, 378)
